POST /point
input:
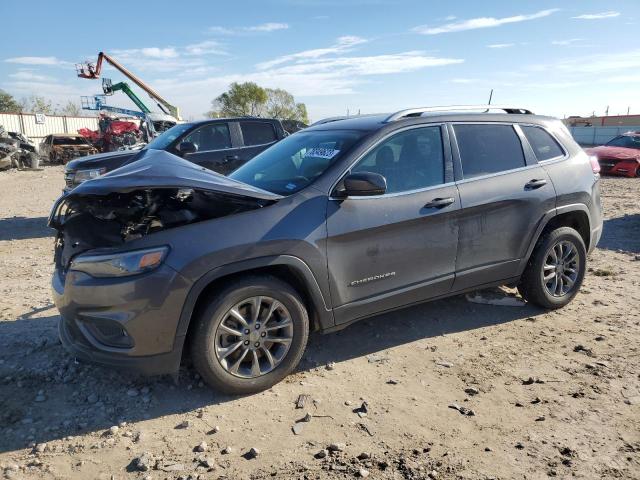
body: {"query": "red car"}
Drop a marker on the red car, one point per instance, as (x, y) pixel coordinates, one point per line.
(620, 156)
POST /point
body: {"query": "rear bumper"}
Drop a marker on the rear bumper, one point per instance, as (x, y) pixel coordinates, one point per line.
(126, 322)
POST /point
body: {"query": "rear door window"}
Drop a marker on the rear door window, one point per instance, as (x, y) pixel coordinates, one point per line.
(544, 145)
(486, 149)
(257, 133)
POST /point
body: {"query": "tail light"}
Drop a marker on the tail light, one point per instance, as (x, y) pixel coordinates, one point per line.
(595, 165)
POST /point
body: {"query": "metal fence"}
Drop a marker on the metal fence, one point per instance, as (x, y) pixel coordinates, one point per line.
(36, 127)
(589, 136)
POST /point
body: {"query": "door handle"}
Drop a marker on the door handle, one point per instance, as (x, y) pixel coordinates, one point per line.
(439, 202)
(533, 184)
(230, 158)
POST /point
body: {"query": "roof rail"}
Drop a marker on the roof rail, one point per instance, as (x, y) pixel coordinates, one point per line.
(342, 117)
(417, 112)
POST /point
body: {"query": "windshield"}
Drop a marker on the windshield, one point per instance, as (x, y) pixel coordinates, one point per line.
(626, 141)
(296, 161)
(162, 141)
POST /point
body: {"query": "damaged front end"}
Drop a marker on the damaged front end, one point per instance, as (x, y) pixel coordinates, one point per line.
(157, 192)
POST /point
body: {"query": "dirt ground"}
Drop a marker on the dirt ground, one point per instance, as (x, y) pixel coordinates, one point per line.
(579, 416)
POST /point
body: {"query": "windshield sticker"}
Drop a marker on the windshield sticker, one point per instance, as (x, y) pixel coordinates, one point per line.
(290, 186)
(318, 152)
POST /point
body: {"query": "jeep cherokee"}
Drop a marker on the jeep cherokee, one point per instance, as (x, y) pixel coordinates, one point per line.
(341, 221)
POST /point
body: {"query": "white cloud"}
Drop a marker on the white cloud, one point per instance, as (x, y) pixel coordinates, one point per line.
(267, 27)
(598, 16)
(36, 61)
(610, 63)
(464, 81)
(205, 48)
(569, 41)
(148, 52)
(342, 45)
(501, 45)
(481, 22)
(262, 28)
(29, 75)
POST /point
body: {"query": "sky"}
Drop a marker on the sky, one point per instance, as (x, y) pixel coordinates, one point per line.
(555, 57)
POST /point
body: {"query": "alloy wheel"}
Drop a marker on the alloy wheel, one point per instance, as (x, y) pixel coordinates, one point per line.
(254, 337)
(561, 268)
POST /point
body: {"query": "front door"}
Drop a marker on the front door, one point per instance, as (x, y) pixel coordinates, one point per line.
(215, 148)
(398, 248)
(504, 197)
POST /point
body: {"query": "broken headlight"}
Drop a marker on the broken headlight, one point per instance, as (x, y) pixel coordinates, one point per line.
(84, 175)
(120, 264)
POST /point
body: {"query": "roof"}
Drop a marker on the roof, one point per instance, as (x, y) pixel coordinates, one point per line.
(231, 119)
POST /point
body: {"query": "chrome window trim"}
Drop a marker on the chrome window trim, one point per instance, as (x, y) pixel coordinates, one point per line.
(396, 194)
(548, 160)
(441, 125)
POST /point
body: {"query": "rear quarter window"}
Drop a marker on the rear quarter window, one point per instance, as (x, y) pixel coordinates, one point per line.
(257, 133)
(486, 149)
(544, 146)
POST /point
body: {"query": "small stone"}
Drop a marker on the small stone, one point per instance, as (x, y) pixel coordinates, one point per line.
(132, 392)
(519, 445)
(471, 391)
(252, 453)
(41, 447)
(541, 418)
(600, 338)
(227, 450)
(307, 418)
(184, 424)
(442, 363)
(364, 456)
(331, 366)
(201, 447)
(488, 449)
(336, 447)
(172, 467)
(215, 429)
(362, 473)
(321, 454)
(297, 428)
(392, 381)
(143, 463)
(113, 430)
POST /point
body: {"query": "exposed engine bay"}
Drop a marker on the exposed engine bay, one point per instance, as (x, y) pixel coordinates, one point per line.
(86, 222)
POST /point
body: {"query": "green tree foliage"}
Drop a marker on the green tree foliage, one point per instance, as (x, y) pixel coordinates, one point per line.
(249, 99)
(37, 104)
(8, 104)
(71, 109)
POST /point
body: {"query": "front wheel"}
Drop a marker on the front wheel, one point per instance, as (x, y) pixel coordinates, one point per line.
(555, 270)
(250, 336)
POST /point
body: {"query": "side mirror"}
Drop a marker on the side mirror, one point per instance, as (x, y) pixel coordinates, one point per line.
(362, 184)
(187, 147)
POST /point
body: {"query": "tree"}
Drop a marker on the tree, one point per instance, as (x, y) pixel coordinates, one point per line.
(71, 109)
(282, 105)
(242, 99)
(8, 104)
(249, 99)
(37, 104)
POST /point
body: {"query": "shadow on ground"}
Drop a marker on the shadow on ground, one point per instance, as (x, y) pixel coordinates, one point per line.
(621, 233)
(24, 228)
(45, 395)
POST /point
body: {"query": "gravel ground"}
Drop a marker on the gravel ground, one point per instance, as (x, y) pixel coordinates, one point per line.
(536, 393)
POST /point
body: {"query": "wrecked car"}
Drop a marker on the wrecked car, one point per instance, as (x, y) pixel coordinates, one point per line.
(64, 147)
(335, 223)
(16, 151)
(220, 144)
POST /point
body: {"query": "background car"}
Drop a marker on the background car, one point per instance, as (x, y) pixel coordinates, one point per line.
(620, 156)
(221, 145)
(64, 147)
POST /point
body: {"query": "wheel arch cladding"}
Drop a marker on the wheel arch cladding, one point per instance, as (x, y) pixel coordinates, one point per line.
(576, 219)
(288, 269)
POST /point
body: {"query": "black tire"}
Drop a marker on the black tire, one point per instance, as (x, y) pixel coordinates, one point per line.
(203, 335)
(532, 286)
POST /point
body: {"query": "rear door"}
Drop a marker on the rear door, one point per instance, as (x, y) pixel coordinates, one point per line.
(256, 136)
(394, 249)
(504, 196)
(216, 150)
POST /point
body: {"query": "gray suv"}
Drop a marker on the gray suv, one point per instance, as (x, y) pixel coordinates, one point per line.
(340, 221)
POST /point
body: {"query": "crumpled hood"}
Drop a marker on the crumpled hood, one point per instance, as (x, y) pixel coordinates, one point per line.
(100, 160)
(160, 169)
(617, 153)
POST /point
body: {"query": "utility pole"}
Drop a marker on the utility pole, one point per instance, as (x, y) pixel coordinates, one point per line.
(490, 96)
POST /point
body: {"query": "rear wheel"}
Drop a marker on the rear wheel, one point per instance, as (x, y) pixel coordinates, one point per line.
(555, 270)
(250, 336)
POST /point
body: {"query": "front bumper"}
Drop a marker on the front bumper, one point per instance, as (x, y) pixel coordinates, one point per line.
(128, 322)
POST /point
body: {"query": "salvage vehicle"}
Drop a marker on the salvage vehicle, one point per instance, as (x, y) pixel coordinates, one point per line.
(17, 151)
(335, 223)
(619, 156)
(221, 145)
(64, 147)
